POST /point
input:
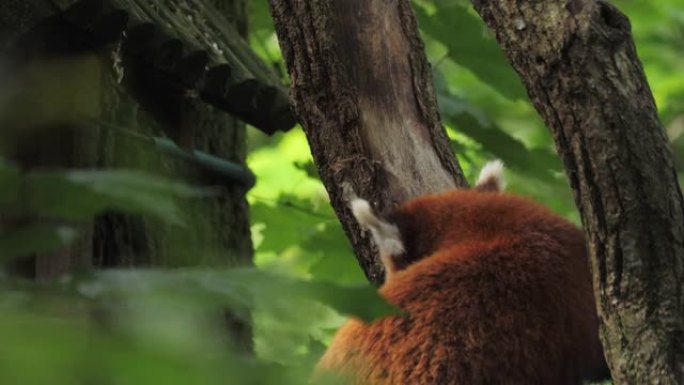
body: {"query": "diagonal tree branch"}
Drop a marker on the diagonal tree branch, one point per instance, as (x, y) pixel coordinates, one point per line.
(362, 89)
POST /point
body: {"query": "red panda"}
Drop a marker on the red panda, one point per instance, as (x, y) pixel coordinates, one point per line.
(496, 289)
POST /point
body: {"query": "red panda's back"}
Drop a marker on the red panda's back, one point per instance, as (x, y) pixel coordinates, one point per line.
(502, 295)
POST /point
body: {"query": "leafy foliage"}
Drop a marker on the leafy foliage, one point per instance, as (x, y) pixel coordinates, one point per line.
(164, 326)
(487, 115)
(479, 53)
(156, 327)
(154, 324)
(81, 194)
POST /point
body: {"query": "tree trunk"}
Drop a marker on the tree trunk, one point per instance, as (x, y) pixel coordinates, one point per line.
(362, 89)
(579, 64)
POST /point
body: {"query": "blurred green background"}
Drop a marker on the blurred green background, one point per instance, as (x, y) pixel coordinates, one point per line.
(159, 326)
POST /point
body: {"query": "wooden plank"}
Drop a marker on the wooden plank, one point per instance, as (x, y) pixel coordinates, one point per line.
(164, 34)
(199, 25)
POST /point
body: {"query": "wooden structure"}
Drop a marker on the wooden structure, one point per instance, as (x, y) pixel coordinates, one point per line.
(154, 85)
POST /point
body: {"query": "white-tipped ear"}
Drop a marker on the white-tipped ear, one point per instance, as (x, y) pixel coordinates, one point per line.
(386, 235)
(491, 177)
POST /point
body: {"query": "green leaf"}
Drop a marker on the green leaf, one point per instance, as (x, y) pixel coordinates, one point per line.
(361, 301)
(309, 168)
(469, 120)
(464, 35)
(288, 224)
(514, 153)
(252, 287)
(259, 15)
(35, 239)
(336, 262)
(82, 194)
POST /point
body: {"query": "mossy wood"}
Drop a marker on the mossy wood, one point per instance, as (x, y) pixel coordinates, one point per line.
(90, 72)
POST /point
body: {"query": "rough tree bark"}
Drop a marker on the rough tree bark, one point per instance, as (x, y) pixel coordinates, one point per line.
(362, 89)
(579, 64)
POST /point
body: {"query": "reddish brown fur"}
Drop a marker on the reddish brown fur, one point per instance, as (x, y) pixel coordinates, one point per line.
(497, 290)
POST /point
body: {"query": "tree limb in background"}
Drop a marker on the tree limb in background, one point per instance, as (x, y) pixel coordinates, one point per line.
(362, 89)
(579, 64)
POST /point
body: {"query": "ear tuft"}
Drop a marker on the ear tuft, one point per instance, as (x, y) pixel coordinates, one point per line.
(385, 234)
(491, 177)
(363, 212)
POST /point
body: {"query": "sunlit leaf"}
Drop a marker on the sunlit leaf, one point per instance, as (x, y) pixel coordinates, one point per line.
(259, 15)
(464, 35)
(336, 261)
(288, 223)
(470, 121)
